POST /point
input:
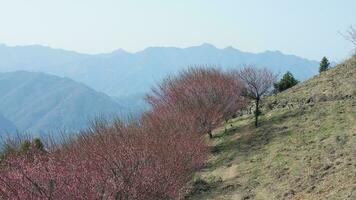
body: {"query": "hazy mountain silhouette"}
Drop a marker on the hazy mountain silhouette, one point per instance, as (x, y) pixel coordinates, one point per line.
(121, 73)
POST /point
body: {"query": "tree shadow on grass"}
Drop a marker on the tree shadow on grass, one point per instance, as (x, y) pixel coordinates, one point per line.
(251, 141)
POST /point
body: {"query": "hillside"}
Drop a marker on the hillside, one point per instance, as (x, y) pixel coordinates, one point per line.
(304, 148)
(38, 102)
(121, 73)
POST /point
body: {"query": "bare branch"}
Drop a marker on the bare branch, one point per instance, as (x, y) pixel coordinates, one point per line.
(258, 83)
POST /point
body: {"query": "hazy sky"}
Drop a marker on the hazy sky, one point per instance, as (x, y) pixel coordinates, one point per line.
(308, 28)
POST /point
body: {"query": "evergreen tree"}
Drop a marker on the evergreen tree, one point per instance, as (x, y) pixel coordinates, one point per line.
(37, 143)
(286, 82)
(324, 65)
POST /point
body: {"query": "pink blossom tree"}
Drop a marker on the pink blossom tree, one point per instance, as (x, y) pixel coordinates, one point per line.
(118, 161)
(203, 96)
(147, 159)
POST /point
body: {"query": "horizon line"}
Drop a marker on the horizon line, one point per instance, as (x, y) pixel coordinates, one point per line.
(206, 44)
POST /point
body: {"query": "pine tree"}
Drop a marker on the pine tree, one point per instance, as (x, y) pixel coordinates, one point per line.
(37, 143)
(324, 65)
(286, 82)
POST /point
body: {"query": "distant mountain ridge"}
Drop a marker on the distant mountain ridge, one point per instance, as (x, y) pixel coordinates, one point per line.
(40, 103)
(121, 73)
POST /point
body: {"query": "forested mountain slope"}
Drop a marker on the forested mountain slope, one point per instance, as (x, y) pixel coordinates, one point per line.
(38, 102)
(6, 126)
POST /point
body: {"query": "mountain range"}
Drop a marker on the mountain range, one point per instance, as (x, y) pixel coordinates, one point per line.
(123, 74)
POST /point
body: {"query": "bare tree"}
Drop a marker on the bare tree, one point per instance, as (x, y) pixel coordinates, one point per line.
(351, 36)
(258, 82)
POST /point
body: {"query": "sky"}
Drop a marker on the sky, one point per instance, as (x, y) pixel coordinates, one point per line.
(307, 28)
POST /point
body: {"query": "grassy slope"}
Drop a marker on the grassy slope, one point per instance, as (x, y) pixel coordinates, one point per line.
(305, 147)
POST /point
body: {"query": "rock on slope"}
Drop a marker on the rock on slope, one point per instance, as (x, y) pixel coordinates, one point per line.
(304, 148)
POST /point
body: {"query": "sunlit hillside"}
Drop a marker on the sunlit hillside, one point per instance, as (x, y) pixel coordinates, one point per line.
(305, 147)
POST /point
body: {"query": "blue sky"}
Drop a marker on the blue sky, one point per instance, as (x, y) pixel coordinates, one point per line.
(308, 28)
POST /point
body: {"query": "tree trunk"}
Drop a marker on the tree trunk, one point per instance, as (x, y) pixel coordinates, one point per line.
(210, 134)
(257, 111)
